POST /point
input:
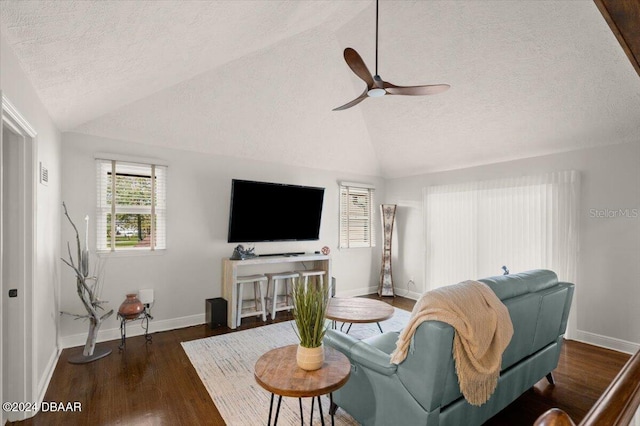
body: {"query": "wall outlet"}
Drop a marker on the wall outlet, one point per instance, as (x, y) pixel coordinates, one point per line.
(146, 296)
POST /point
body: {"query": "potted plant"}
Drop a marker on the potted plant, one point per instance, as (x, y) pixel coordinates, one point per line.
(309, 307)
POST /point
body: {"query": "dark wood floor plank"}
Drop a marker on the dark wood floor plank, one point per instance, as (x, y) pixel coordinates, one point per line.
(155, 383)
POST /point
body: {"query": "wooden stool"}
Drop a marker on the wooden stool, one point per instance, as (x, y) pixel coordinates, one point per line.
(258, 297)
(306, 273)
(286, 301)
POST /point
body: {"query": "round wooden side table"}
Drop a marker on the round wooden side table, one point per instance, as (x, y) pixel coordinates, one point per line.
(358, 310)
(277, 372)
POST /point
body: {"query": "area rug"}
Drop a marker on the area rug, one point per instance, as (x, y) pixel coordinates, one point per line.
(225, 366)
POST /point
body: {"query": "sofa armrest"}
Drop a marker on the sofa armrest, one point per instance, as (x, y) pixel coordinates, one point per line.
(340, 341)
(373, 358)
(360, 353)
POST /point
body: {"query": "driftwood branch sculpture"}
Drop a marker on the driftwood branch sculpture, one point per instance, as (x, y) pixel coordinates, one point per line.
(87, 288)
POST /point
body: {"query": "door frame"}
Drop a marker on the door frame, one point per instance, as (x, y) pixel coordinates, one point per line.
(28, 178)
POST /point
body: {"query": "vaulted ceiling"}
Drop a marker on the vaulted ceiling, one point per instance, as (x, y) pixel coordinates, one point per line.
(258, 79)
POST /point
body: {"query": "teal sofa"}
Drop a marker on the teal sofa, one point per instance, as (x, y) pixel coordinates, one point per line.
(423, 389)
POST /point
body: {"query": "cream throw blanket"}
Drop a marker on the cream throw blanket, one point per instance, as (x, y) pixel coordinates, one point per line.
(483, 330)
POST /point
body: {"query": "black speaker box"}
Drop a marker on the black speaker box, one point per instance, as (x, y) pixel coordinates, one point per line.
(216, 312)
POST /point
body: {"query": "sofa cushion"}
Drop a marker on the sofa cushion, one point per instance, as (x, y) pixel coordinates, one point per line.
(508, 286)
(524, 317)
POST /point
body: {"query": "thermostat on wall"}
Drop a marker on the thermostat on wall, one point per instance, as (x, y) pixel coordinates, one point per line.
(44, 174)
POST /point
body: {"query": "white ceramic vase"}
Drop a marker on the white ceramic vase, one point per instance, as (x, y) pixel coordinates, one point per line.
(310, 358)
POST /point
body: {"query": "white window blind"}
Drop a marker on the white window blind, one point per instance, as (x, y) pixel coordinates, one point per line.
(524, 223)
(131, 211)
(356, 216)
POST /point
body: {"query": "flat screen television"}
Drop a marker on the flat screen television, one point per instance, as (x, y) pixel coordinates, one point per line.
(265, 211)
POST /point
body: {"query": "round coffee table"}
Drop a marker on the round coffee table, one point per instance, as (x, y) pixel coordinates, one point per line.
(358, 310)
(277, 372)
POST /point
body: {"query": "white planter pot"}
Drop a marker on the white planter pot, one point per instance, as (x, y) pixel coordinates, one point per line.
(310, 358)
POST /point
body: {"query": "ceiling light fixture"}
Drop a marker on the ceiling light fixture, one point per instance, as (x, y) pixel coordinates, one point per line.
(376, 87)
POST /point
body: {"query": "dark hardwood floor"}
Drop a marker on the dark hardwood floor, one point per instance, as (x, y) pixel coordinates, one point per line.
(155, 383)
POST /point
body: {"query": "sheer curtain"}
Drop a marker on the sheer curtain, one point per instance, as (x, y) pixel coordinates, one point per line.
(524, 223)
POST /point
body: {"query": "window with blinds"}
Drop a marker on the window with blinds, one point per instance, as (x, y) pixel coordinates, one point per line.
(527, 222)
(131, 213)
(356, 216)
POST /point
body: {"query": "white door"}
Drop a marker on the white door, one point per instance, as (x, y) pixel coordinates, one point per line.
(12, 266)
(17, 231)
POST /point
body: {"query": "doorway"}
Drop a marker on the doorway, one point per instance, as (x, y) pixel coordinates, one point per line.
(17, 258)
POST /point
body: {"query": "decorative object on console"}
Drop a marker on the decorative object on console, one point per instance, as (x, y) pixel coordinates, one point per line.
(309, 310)
(385, 287)
(88, 288)
(326, 250)
(240, 253)
(131, 307)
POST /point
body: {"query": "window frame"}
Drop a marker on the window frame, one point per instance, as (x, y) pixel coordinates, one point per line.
(350, 223)
(109, 164)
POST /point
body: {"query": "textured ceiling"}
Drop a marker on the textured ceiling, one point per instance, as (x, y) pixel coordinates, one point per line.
(258, 79)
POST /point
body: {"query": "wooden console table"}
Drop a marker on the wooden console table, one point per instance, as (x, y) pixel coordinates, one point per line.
(230, 274)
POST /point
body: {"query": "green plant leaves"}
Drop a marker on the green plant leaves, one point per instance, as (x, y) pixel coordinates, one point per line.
(309, 308)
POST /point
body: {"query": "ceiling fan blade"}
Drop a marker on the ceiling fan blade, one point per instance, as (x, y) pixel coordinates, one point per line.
(356, 101)
(431, 89)
(357, 65)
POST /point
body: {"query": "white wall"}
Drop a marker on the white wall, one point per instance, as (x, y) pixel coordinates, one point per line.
(608, 286)
(18, 89)
(198, 194)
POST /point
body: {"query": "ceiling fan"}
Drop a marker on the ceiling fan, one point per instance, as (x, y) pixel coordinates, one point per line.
(376, 86)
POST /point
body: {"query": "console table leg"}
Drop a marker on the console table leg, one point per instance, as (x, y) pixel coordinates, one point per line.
(301, 417)
(313, 399)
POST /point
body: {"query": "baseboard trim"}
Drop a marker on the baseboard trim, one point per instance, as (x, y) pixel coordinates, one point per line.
(607, 342)
(362, 291)
(402, 292)
(48, 374)
(114, 333)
